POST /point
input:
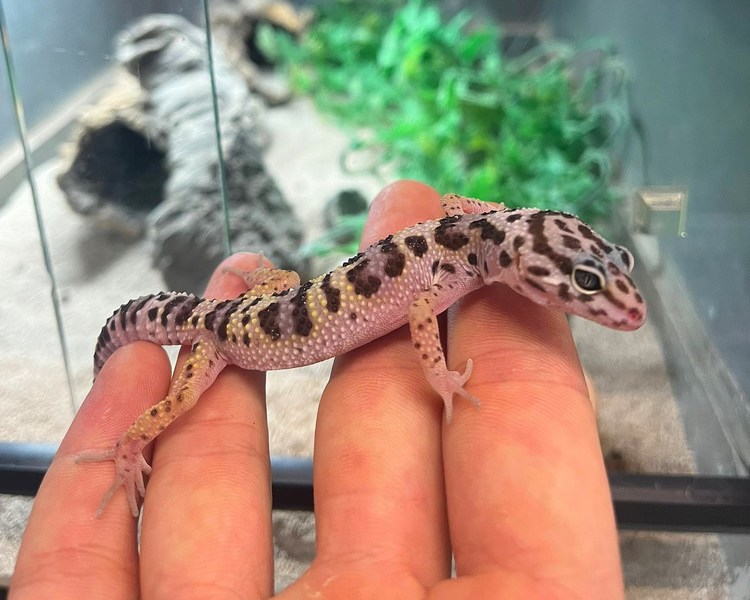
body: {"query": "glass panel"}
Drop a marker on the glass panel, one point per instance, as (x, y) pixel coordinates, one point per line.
(690, 76)
(99, 124)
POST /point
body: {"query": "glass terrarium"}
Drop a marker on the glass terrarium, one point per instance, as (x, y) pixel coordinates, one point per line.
(142, 142)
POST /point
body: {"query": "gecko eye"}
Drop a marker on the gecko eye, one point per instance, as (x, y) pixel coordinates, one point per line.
(587, 280)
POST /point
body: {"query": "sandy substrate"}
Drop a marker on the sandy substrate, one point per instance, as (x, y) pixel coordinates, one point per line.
(638, 415)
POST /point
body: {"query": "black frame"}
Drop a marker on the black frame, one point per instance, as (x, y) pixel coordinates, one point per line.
(646, 501)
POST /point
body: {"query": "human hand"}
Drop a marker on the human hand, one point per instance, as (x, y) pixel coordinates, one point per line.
(515, 490)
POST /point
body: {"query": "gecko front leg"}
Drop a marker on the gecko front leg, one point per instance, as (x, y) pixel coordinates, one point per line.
(199, 371)
(425, 336)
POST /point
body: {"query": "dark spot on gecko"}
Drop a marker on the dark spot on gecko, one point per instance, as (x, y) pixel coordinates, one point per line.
(124, 312)
(245, 320)
(571, 242)
(154, 412)
(167, 409)
(162, 296)
(541, 245)
(596, 312)
(189, 367)
(169, 306)
(563, 292)
(281, 293)
(616, 302)
(420, 326)
(268, 318)
(622, 286)
(417, 345)
(447, 236)
(535, 285)
(612, 268)
(435, 266)
(222, 331)
(136, 307)
(210, 363)
(353, 316)
(596, 252)
(144, 436)
(189, 375)
(386, 245)
(472, 259)
(638, 298)
(365, 284)
(425, 357)
(486, 267)
(256, 300)
(562, 225)
(152, 312)
(395, 263)
(353, 259)
(518, 241)
(112, 325)
(447, 268)
(185, 311)
(103, 338)
(332, 294)
(625, 258)
(489, 231)
(605, 247)
(584, 298)
(246, 339)
(302, 323)
(538, 271)
(208, 319)
(505, 259)
(417, 244)
(513, 218)
(428, 320)
(586, 232)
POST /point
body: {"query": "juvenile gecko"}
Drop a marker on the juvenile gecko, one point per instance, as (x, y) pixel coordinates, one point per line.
(411, 276)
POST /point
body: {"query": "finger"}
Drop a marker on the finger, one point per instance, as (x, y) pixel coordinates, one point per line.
(526, 486)
(208, 503)
(377, 471)
(67, 552)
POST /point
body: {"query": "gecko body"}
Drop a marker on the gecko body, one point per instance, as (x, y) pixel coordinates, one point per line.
(409, 277)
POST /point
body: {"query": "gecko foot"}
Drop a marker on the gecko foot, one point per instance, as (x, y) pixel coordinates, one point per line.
(130, 468)
(447, 383)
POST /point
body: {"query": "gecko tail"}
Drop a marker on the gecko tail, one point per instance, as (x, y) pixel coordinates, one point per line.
(154, 318)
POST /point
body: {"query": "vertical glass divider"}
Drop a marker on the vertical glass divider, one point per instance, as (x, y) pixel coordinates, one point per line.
(21, 128)
(217, 128)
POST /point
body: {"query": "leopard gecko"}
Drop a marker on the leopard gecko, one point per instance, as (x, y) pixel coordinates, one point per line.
(553, 258)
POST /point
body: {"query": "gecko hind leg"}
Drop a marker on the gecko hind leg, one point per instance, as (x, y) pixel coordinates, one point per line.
(265, 280)
(425, 336)
(198, 372)
(453, 204)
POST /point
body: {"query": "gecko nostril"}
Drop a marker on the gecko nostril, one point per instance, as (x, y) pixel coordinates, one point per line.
(634, 314)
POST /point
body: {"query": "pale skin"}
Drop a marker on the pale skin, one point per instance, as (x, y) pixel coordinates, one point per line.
(516, 489)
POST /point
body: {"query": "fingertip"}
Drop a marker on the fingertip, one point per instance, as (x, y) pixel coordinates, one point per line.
(399, 205)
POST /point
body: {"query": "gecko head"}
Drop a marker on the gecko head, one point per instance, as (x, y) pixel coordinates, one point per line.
(567, 265)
